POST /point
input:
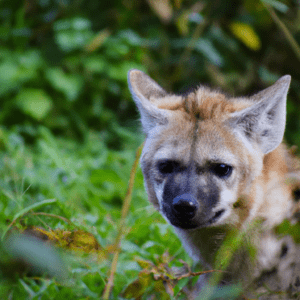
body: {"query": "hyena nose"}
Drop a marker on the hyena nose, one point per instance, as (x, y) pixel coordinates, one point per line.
(185, 206)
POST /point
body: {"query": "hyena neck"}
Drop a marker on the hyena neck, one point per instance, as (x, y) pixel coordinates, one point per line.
(202, 244)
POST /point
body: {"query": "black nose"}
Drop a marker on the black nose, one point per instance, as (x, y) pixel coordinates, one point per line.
(185, 206)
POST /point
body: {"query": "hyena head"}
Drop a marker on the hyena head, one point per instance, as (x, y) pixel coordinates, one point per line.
(203, 150)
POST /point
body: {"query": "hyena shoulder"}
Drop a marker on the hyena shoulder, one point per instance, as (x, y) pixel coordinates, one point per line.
(213, 164)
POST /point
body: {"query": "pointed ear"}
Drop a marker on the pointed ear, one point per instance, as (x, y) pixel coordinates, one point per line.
(142, 89)
(264, 120)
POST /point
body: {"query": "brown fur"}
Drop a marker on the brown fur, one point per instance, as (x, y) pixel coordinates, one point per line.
(206, 128)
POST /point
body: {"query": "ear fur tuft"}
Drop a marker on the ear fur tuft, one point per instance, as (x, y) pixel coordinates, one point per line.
(264, 121)
(142, 89)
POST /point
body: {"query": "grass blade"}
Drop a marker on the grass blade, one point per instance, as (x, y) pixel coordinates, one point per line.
(25, 210)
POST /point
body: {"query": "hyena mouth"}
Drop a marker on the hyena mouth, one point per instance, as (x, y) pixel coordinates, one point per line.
(217, 216)
(190, 224)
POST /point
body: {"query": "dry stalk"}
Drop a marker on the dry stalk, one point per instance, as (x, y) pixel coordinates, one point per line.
(121, 229)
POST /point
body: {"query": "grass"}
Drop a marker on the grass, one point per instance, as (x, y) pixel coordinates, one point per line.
(72, 194)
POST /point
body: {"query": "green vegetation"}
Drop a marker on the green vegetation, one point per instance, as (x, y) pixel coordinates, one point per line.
(69, 132)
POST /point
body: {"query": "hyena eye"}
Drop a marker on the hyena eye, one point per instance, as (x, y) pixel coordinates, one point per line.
(167, 166)
(222, 170)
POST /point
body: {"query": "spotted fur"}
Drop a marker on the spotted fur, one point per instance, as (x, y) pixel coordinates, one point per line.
(212, 163)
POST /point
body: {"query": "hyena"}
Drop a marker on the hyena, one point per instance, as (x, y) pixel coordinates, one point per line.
(213, 163)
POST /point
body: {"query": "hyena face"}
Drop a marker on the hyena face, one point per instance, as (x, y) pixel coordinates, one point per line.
(194, 182)
(203, 151)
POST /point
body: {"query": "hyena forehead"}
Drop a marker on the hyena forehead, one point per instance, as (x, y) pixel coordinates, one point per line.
(202, 104)
(198, 141)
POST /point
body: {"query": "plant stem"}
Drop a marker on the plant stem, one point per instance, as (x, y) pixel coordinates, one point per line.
(284, 29)
(125, 209)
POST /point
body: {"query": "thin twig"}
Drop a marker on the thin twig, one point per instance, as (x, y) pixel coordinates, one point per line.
(26, 211)
(189, 274)
(53, 216)
(124, 214)
(189, 48)
(284, 29)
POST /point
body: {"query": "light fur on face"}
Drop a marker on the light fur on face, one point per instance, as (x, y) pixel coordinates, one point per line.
(212, 164)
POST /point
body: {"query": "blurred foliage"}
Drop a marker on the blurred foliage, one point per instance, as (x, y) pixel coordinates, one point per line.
(69, 129)
(26, 253)
(286, 228)
(63, 63)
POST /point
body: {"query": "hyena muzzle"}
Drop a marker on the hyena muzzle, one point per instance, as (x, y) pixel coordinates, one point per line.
(212, 163)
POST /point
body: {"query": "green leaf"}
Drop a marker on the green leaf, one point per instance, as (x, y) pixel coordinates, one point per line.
(94, 282)
(34, 102)
(69, 84)
(119, 71)
(31, 60)
(206, 47)
(131, 37)
(277, 5)
(95, 64)
(180, 285)
(286, 228)
(72, 34)
(110, 177)
(8, 77)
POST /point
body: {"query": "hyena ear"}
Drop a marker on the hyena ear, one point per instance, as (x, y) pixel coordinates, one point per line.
(143, 88)
(264, 121)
